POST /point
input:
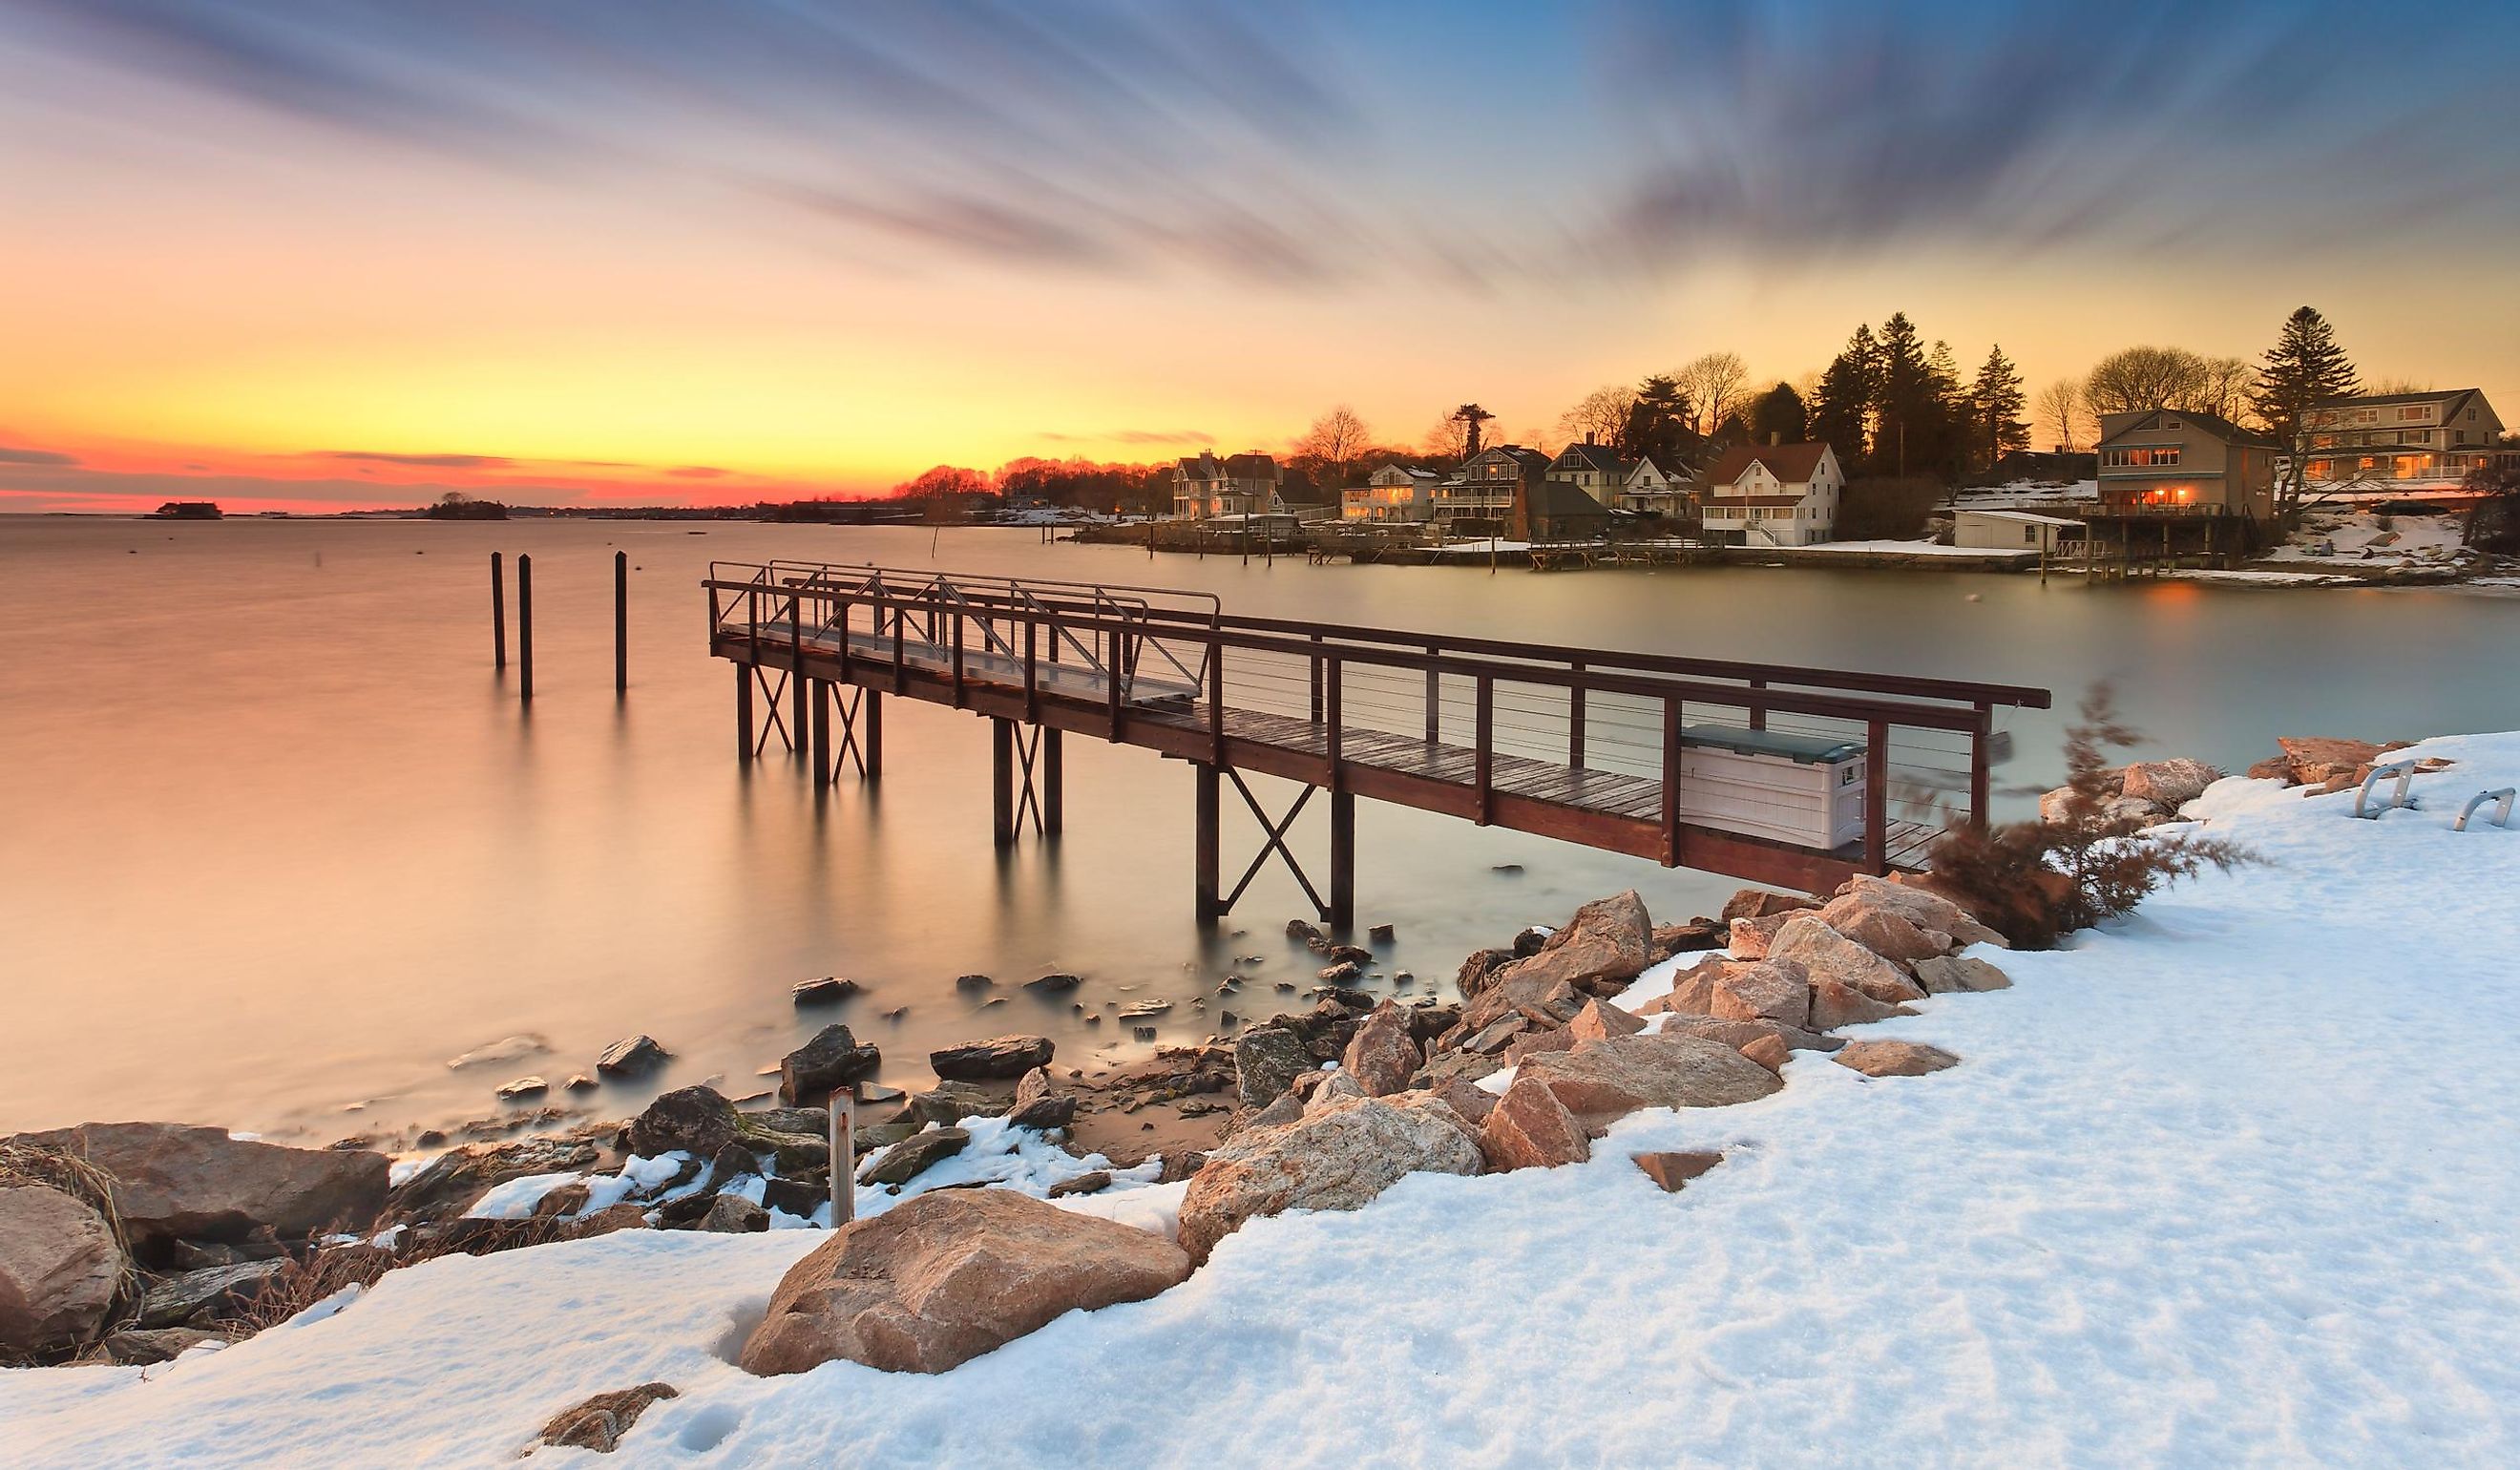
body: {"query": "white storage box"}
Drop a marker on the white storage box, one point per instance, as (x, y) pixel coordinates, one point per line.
(1805, 790)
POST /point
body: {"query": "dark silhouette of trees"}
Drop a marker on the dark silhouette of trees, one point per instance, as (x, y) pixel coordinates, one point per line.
(1995, 406)
(2304, 369)
(1470, 415)
(1658, 424)
(1777, 416)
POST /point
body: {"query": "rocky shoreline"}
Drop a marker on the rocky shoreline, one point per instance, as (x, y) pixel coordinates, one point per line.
(133, 1242)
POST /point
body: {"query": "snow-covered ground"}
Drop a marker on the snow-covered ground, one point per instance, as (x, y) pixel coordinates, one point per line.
(1911, 549)
(2027, 495)
(2231, 1182)
(2360, 537)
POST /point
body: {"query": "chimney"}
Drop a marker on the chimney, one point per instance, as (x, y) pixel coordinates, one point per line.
(1775, 437)
(1588, 436)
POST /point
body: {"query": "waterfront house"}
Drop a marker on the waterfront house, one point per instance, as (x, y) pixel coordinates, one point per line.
(1392, 493)
(1481, 502)
(1554, 509)
(1653, 490)
(2400, 445)
(2161, 462)
(1205, 487)
(1593, 468)
(1772, 495)
(2013, 530)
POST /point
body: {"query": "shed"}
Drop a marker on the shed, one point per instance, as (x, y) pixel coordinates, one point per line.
(2012, 530)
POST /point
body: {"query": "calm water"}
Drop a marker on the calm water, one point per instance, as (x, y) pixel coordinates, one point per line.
(274, 839)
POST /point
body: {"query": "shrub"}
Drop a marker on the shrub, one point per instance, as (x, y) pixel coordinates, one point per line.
(2035, 881)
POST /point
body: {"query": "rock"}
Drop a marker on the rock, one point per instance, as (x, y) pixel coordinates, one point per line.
(1378, 934)
(2274, 768)
(697, 1121)
(829, 990)
(562, 1202)
(598, 1422)
(2058, 805)
(944, 1277)
(1530, 1129)
(631, 1056)
(1456, 1066)
(1883, 930)
(1091, 1181)
(1925, 908)
(969, 983)
(581, 1083)
(1603, 1081)
(139, 1346)
(2169, 784)
(1345, 973)
(607, 1221)
(1688, 938)
(60, 1270)
(1750, 937)
(1469, 1102)
(1302, 929)
(1768, 1051)
(2136, 809)
(1671, 1171)
(1494, 1037)
(1942, 976)
(175, 1300)
(948, 1103)
(1763, 990)
(998, 1056)
(1531, 1042)
(457, 1177)
(176, 1182)
(1830, 956)
(799, 1197)
(1479, 971)
(1759, 903)
(905, 1160)
(523, 1087)
(1738, 1034)
(1888, 1058)
(1599, 1018)
(1352, 953)
(1527, 942)
(1285, 1109)
(833, 1059)
(1430, 1020)
(1692, 990)
(2318, 759)
(812, 1121)
(1338, 1156)
(1038, 1106)
(1603, 945)
(1382, 1054)
(1834, 1005)
(734, 1215)
(1267, 1060)
(1057, 983)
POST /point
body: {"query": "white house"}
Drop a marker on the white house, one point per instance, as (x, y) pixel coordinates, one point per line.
(1772, 495)
(1205, 487)
(1653, 490)
(2400, 443)
(1394, 492)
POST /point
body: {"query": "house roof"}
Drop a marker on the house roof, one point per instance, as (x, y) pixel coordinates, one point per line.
(2382, 400)
(1561, 497)
(2022, 517)
(1772, 501)
(1201, 466)
(1793, 464)
(1252, 465)
(2220, 428)
(1600, 457)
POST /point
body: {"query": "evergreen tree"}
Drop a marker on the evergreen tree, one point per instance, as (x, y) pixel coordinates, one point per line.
(1657, 426)
(1996, 406)
(2304, 369)
(1778, 415)
(1909, 402)
(1843, 414)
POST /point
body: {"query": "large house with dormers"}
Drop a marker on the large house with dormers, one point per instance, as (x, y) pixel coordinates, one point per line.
(1772, 495)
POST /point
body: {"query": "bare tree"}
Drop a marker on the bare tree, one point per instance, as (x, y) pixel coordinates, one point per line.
(1334, 441)
(2138, 378)
(2388, 387)
(1715, 385)
(2224, 389)
(1448, 438)
(2060, 413)
(1600, 416)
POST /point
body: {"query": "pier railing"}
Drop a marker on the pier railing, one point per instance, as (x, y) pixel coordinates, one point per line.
(1606, 735)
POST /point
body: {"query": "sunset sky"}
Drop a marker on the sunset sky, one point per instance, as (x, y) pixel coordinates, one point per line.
(320, 255)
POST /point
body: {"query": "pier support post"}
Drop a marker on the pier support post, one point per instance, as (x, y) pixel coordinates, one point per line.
(871, 737)
(1342, 859)
(743, 712)
(1002, 786)
(620, 622)
(1204, 862)
(819, 699)
(498, 613)
(1054, 784)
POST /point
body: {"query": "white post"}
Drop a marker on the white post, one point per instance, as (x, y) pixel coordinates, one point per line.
(844, 1156)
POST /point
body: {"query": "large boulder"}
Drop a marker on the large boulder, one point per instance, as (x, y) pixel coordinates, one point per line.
(1040, 1104)
(946, 1276)
(948, 1103)
(1883, 930)
(1267, 1060)
(450, 1182)
(1530, 1129)
(2316, 758)
(175, 1181)
(1603, 1081)
(631, 1056)
(1925, 908)
(1764, 990)
(1834, 1005)
(1338, 1156)
(1951, 973)
(1382, 1055)
(997, 1057)
(1829, 955)
(2169, 784)
(211, 1292)
(1602, 947)
(1750, 937)
(60, 1270)
(905, 1160)
(833, 1059)
(1894, 1058)
(1600, 1018)
(1760, 903)
(698, 1120)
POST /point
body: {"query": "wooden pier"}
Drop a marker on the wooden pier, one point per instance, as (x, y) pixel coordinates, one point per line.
(1774, 774)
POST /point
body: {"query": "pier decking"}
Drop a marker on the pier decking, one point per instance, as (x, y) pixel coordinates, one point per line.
(1773, 774)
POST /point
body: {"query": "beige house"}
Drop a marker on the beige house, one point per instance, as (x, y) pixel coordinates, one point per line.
(2166, 461)
(2012, 530)
(1392, 493)
(1593, 468)
(1481, 498)
(1772, 495)
(1205, 487)
(2399, 442)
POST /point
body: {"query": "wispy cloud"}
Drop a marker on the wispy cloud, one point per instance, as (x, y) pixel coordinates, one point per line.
(1133, 436)
(44, 457)
(419, 461)
(696, 473)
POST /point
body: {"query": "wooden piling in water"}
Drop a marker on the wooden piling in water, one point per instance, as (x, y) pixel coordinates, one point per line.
(844, 1156)
(498, 612)
(620, 622)
(525, 628)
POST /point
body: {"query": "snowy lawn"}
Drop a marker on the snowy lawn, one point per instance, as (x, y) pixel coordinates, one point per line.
(2230, 1184)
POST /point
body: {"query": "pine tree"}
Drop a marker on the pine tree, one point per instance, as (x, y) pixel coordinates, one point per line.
(1843, 415)
(1657, 426)
(1996, 406)
(1908, 401)
(2304, 369)
(1778, 415)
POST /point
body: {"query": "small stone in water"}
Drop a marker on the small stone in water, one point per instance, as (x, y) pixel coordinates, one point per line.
(524, 1086)
(973, 982)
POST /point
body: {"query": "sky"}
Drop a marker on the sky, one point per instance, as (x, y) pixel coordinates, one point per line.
(312, 255)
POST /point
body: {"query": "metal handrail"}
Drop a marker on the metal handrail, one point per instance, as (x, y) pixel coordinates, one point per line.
(2404, 770)
(2501, 815)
